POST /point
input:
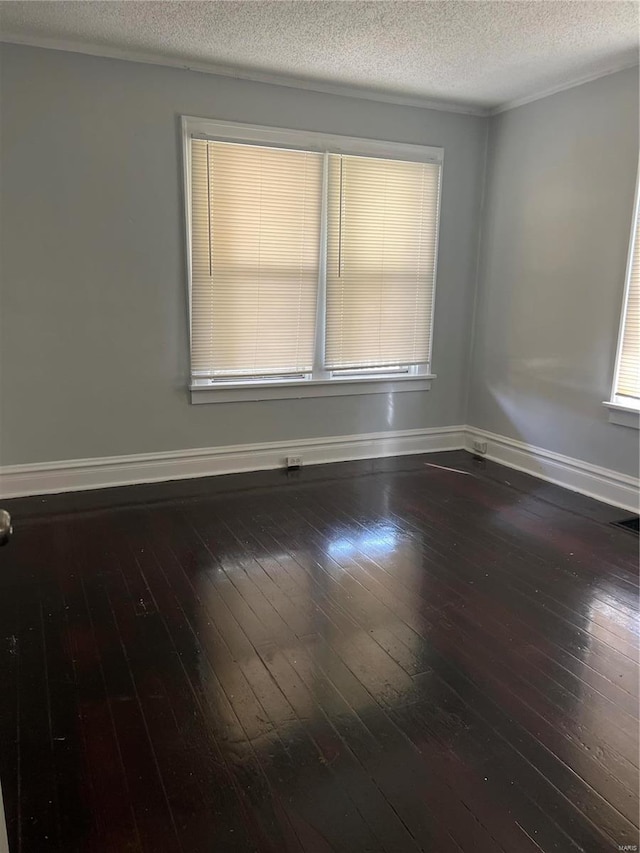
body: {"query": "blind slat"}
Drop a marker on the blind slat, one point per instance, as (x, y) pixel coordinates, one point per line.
(381, 249)
(628, 384)
(255, 258)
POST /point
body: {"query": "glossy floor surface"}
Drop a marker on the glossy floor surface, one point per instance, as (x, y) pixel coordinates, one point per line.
(421, 654)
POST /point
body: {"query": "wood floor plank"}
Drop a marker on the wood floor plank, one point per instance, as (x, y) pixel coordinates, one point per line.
(105, 802)
(486, 629)
(241, 806)
(391, 656)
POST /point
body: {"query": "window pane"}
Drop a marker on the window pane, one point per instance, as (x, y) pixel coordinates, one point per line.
(629, 368)
(255, 255)
(381, 250)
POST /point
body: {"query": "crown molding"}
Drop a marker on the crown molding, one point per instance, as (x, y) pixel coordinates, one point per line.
(554, 90)
(253, 76)
(322, 87)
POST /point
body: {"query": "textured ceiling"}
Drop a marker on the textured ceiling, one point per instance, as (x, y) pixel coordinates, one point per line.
(478, 54)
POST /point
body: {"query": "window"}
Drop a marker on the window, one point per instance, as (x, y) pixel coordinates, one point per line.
(312, 262)
(255, 215)
(625, 400)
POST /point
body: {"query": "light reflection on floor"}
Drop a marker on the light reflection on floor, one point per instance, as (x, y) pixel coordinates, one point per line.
(335, 569)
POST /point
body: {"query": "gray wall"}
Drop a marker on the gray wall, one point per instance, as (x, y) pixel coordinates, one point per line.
(93, 326)
(93, 304)
(555, 233)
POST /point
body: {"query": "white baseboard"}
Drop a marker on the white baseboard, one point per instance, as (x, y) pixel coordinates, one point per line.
(82, 474)
(602, 484)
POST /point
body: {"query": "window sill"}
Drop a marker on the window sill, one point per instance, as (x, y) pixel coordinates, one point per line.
(296, 390)
(623, 415)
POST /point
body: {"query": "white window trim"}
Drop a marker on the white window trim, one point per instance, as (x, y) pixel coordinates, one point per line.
(203, 391)
(622, 415)
(622, 410)
(320, 383)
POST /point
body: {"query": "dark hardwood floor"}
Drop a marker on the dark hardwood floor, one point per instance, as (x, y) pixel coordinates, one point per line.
(415, 654)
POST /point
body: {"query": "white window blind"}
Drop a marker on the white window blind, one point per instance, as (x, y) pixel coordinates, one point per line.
(255, 226)
(381, 253)
(628, 375)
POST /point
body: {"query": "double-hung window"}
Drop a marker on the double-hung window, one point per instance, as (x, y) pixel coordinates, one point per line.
(625, 398)
(312, 262)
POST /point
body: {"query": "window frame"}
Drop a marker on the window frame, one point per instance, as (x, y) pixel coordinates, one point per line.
(319, 382)
(624, 411)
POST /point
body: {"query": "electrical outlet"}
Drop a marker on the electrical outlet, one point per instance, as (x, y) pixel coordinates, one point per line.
(479, 446)
(294, 461)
